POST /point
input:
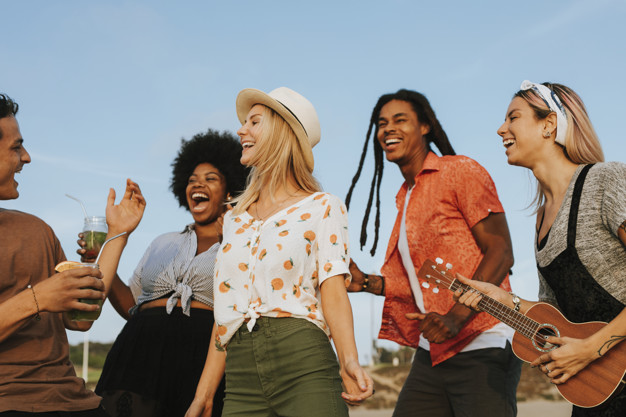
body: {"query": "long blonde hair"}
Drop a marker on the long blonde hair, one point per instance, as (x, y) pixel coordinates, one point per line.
(582, 145)
(278, 160)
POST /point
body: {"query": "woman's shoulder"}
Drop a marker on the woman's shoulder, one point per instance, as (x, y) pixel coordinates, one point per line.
(170, 237)
(606, 176)
(326, 198)
(610, 169)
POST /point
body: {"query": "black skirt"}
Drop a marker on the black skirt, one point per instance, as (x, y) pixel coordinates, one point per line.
(155, 364)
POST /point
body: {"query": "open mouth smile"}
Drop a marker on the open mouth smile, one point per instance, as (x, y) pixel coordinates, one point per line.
(199, 201)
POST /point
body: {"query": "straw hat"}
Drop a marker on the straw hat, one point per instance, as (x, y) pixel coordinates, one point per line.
(297, 111)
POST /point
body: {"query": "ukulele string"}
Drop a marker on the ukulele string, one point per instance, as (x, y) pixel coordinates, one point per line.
(521, 323)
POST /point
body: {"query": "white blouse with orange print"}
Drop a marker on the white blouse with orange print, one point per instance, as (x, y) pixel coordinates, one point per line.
(274, 268)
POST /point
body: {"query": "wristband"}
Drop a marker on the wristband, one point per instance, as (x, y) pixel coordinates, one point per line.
(37, 316)
(366, 282)
(516, 302)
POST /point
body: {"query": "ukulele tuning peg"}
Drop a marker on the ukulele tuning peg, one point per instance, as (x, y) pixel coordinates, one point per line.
(436, 290)
(439, 261)
(448, 266)
(425, 285)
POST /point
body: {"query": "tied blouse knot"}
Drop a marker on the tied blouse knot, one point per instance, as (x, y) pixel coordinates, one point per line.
(170, 267)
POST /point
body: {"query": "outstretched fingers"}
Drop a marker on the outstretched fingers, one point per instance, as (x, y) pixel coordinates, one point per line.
(133, 192)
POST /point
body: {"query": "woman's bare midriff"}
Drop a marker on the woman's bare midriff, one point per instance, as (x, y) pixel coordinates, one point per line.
(162, 302)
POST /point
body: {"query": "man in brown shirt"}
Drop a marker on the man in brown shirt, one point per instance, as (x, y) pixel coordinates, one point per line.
(36, 375)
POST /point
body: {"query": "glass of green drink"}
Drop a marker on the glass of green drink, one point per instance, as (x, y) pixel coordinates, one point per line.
(94, 235)
(78, 315)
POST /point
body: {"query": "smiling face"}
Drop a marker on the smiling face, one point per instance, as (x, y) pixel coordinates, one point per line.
(206, 193)
(522, 133)
(250, 133)
(400, 133)
(13, 156)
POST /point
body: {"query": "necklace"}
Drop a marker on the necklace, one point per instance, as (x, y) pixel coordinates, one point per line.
(274, 208)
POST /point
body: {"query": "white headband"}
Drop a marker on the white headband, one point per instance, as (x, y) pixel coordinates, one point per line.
(554, 104)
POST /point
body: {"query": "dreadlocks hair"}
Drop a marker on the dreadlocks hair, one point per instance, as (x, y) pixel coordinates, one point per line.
(425, 114)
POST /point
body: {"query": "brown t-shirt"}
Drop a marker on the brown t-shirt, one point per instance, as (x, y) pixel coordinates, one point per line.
(36, 374)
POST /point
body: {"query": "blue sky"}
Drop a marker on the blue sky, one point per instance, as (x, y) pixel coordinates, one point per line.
(107, 90)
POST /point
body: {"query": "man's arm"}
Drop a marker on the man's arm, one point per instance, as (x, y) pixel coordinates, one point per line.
(493, 238)
(57, 294)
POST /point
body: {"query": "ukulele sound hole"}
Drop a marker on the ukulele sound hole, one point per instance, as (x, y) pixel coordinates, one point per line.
(539, 340)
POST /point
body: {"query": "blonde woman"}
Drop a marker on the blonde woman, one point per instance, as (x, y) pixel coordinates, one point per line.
(581, 228)
(280, 276)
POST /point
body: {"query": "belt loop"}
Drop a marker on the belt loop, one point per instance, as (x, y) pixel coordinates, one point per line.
(266, 326)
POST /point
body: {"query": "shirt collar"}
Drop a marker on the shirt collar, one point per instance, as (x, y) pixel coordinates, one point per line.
(432, 162)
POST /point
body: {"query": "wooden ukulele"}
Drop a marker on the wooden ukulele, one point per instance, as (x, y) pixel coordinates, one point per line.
(593, 385)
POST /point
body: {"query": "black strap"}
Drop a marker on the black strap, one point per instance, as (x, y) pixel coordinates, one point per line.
(573, 212)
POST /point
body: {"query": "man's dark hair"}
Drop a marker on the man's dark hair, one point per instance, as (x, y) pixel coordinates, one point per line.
(436, 135)
(222, 150)
(7, 108)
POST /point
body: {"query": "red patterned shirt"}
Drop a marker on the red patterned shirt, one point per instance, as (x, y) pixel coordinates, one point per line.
(451, 195)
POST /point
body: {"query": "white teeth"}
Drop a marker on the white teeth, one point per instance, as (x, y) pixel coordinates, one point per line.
(247, 144)
(392, 141)
(199, 195)
(508, 142)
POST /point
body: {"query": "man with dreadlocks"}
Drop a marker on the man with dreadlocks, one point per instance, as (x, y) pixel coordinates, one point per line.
(447, 208)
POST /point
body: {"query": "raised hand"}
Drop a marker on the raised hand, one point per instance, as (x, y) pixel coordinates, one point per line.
(125, 216)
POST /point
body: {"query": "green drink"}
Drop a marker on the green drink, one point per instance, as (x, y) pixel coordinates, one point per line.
(94, 235)
(93, 242)
(78, 315)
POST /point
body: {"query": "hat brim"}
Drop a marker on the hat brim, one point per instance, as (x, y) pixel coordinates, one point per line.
(249, 97)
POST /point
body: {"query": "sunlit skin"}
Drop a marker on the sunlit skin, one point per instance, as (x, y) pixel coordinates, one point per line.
(206, 192)
(523, 134)
(529, 143)
(13, 157)
(401, 136)
(250, 133)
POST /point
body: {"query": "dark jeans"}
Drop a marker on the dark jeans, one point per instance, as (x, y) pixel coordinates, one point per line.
(477, 383)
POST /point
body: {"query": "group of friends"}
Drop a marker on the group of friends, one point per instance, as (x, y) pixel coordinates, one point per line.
(234, 315)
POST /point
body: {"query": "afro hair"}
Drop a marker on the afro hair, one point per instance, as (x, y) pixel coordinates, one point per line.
(222, 150)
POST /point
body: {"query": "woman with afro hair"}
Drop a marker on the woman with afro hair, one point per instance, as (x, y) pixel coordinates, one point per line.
(156, 361)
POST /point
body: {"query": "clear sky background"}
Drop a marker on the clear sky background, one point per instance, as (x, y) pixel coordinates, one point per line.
(108, 89)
